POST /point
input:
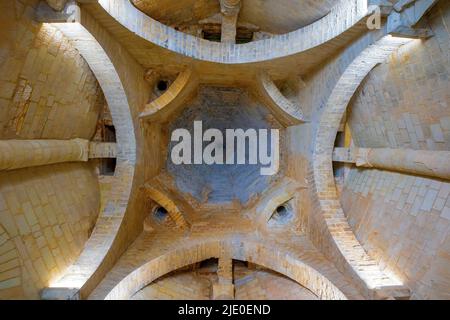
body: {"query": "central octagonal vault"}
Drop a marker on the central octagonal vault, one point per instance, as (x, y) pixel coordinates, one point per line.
(223, 108)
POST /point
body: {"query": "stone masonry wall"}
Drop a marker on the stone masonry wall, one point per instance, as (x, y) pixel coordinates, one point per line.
(403, 221)
(46, 215)
(249, 284)
(47, 91)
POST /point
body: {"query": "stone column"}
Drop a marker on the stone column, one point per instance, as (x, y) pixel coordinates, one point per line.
(420, 162)
(230, 11)
(224, 288)
(15, 154)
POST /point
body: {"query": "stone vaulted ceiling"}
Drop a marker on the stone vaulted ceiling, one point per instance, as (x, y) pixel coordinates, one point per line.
(93, 205)
(274, 16)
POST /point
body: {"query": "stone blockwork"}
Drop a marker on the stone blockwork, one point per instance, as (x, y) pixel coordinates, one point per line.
(404, 103)
(403, 220)
(269, 16)
(121, 82)
(332, 226)
(288, 112)
(415, 162)
(126, 91)
(254, 283)
(102, 150)
(263, 284)
(46, 216)
(170, 251)
(16, 154)
(223, 108)
(57, 5)
(47, 91)
(343, 16)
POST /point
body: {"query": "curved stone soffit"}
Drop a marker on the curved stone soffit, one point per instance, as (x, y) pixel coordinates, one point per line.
(10, 261)
(165, 200)
(255, 252)
(287, 112)
(362, 267)
(181, 89)
(281, 193)
(109, 80)
(342, 17)
(110, 219)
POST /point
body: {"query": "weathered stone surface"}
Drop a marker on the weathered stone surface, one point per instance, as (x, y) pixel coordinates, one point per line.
(420, 162)
(16, 154)
(250, 284)
(92, 207)
(395, 213)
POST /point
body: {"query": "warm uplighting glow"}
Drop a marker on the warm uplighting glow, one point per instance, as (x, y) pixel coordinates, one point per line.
(67, 283)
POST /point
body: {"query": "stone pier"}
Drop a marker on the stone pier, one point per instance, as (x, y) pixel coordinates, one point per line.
(224, 288)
